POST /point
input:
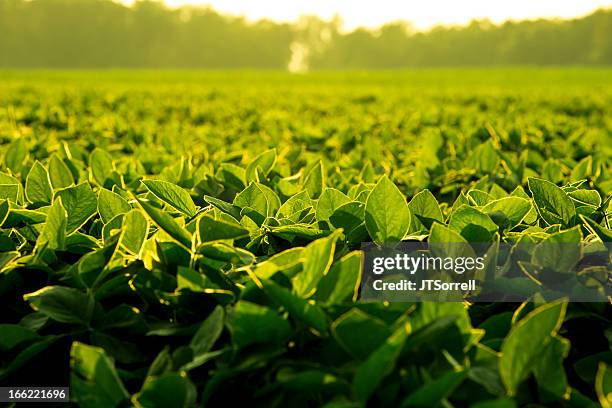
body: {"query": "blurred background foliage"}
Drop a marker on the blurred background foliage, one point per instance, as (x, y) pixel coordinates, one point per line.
(105, 34)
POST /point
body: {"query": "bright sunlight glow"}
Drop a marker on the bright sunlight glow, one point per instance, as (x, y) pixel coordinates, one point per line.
(422, 14)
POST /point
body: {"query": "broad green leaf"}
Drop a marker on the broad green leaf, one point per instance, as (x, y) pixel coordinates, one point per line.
(167, 390)
(187, 278)
(37, 187)
(101, 164)
(211, 229)
(94, 382)
(134, 232)
(348, 216)
(479, 197)
(59, 173)
(173, 195)
(318, 257)
(527, 340)
(9, 192)
(434, 391)
(328, 202)
(371, 373)
(295, 207)
(360, 334)
(472, 224)
(424, 210)
(553, 204)
(208, 332)
(550, 373)
(560, 251)
(508, 212)
(223, 206)
(231, 176)
(387, 216)
(283, 261)
(63, 304)
(447, 242)
(314, 183)
(16, 154)
(341, 283)
(167, 224)
(111, 204)
(250, 323)
(257, 201)
(298, 308)
(602, 233)
(91, 268)
(265, 161)
(586, 197)
(14, 335)
(53, 235)
(80, 203)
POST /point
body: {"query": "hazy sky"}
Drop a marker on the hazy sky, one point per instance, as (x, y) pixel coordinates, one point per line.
(423, 14)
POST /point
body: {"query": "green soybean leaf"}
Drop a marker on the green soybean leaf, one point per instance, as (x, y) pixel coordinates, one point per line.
(250, 323)
(553, 204)
(602, 233)
(101, 164)
(341, 283)
(16, 154)
(208, 332)
(37, 187)
(425, 210)
(14, 335)
(508, 212)
(212, 229)
(265, 161)
(387, 216)
(63, 304)
(372, 333)
(370, 374)
(53, 235)
(318, 257)
(59, 173)
(80, 203)
(433, 392)
(472, 224)
(549, 371)
(94, 382)
(173, 195)
(295, 207)
(9, 192)
(166, 223)
(298, 308)
(167, 390)
(258, 202)
(526, 342)
(328, 202)
(560, 251)
(223, 206)
(134, 232)
(447, 242)
(111, 204)
(314, 183)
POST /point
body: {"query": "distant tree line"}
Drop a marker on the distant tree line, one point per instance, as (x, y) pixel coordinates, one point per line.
(105, 34)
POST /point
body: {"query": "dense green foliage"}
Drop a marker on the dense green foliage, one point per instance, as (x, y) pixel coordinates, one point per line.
(181, 239)
(103, 33)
